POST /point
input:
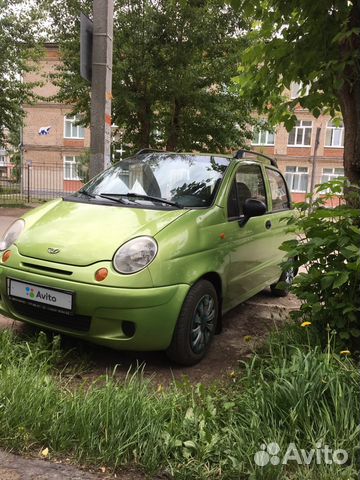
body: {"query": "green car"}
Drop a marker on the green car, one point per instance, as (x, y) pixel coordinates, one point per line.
(151, 252)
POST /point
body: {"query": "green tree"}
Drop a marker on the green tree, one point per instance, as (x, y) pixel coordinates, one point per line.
(173, 64)
(18, 49)
(316, 43)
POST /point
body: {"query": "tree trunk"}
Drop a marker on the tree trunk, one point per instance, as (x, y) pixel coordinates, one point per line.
(349, 96)
(174, 130)
(350, 109)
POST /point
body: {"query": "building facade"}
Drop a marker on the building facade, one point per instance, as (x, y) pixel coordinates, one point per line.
(298, 158)
(52, 140)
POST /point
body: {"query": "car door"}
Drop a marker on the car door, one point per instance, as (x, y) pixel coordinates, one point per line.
(279, 211)
(249, 256)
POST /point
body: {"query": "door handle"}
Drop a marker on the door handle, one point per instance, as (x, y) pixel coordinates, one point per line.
(268, 224)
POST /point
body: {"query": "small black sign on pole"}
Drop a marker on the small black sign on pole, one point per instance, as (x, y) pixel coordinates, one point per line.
(86, 45)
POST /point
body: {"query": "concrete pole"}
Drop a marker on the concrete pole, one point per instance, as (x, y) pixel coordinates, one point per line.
(313, 170)
(101, 86)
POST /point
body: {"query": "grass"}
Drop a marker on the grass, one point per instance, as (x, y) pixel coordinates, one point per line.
(286, 394)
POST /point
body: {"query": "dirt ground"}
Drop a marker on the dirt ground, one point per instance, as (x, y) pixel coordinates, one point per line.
(14, 467)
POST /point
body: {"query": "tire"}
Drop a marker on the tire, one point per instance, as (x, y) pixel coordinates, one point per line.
(195, 326)
(287, 278)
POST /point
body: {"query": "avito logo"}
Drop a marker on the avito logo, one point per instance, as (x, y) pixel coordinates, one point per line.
(47, 297)
(30, 292)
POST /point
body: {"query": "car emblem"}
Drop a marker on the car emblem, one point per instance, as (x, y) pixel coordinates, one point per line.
(53, 251)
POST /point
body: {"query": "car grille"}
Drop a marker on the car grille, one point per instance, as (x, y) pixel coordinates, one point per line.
(80, 323)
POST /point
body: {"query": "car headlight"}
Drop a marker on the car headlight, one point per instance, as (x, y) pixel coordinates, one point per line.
(12, 234)
(135, 255)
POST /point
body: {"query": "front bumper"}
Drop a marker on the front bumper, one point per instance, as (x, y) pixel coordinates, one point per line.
(152, 312)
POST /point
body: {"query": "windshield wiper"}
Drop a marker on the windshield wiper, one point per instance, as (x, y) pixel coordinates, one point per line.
(105, 195)
(84, 192)
(143, 197)
(109, 196)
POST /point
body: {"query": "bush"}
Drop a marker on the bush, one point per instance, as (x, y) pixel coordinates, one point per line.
(327, 246)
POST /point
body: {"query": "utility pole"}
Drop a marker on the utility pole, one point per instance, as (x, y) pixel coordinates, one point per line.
(313, 170)
(101, 86)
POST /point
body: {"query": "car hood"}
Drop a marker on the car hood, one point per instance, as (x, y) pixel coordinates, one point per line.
(86, 233)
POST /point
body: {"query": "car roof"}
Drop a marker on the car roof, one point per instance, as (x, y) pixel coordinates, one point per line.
(242, 154)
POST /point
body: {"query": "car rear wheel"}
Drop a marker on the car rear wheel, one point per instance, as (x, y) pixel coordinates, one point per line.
(196, 325)
(286, 279)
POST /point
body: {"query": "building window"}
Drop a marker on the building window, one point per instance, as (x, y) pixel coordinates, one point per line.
(329, 174)
(71, 130)
(263, 137)
(300, 135)
(296, 90)
(71, 168)
(297, 178)
(334, 135)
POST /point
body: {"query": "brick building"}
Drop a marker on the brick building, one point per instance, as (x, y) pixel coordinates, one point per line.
(51, 138)
(55, 149)
(294, 151)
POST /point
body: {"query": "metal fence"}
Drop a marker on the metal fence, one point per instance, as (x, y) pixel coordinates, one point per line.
(33, 183)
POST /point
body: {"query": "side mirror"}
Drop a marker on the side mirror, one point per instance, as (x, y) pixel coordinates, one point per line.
(253, 208)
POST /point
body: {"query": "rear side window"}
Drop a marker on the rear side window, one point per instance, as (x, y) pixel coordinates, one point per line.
(248, 183)
(279, 192)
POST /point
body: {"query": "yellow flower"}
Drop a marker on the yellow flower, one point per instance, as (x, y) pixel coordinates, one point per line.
(345, 352)
(247, 338)
(305, 324)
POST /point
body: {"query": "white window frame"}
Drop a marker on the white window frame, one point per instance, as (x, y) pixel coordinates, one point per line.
(74, 175)
(78, 128)
(330, 126)
(332, 175)
(295, 89)
(297, 174)
(301, 127)
(259, 132)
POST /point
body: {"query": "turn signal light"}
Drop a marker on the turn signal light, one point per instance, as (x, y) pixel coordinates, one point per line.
(101, 274)
(6, 256)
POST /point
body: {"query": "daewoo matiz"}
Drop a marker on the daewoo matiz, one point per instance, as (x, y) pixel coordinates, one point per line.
(150, 253)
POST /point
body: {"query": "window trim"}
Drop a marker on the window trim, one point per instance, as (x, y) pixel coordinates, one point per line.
(233, 179)
(334, 128)
(301, 86)
(78, 179)
(301, 145)
(290, 206)
(72, 119)
(297, 174)
(333, 176)
(267, 134)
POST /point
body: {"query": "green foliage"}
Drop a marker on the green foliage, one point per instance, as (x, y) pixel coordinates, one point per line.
(288, 394)
(297, 41)
(172, 68)
(327, 246)
(18, 49)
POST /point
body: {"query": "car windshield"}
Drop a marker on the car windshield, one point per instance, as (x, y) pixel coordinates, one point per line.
(180, 179)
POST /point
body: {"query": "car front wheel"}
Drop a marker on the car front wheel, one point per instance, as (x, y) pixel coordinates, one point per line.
(196, 325)
(286, 279)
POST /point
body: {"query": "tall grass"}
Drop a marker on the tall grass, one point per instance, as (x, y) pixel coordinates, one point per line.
(288, 394)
